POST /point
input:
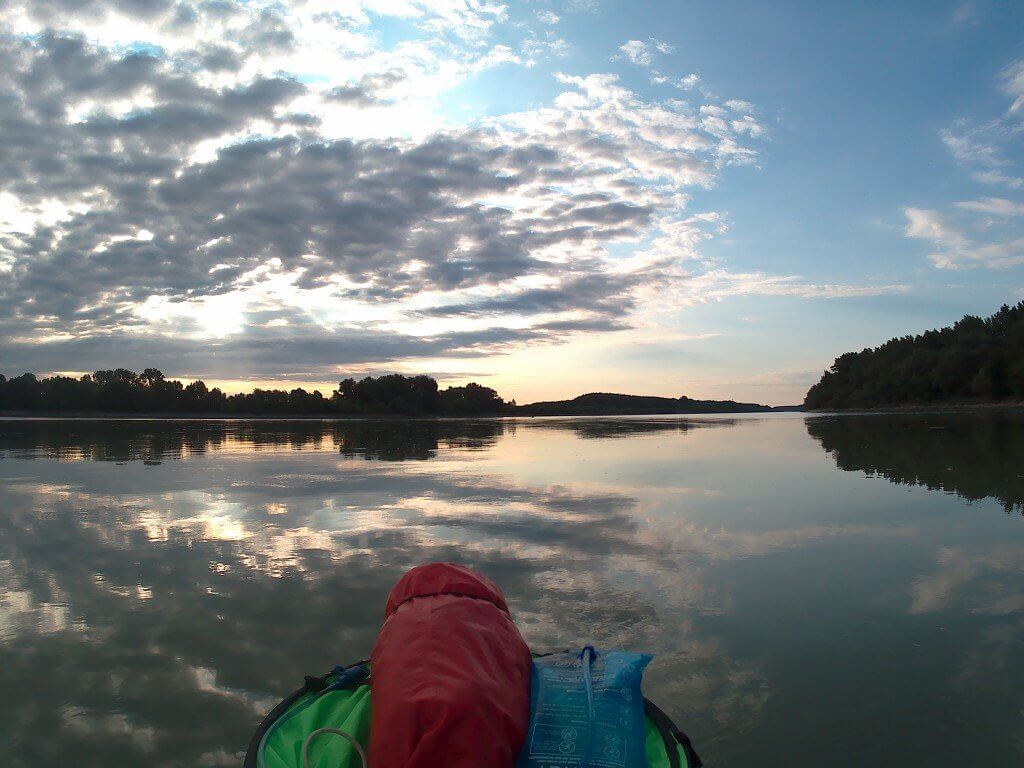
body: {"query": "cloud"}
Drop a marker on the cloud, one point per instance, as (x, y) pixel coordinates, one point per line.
(995, 177)
(930, 225)
(924, 224)
(1013, 83)
(596, 294)
(314, 543)
(975, 581)
(737, 105)
(985, 148)
(371, 89)
(690, 81)
(274, 215)
(642, 52)
(985, 232)
(967, 146)
(719, 284)
(965, 13)
(995, 206)
(956, 249)
(272, 189)
(637, 52)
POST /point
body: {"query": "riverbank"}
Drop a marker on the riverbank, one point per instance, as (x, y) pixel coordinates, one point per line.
(956, 407)
(152, 395)
(111, 416)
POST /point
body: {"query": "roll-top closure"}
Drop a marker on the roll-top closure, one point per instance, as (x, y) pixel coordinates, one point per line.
(443, 579)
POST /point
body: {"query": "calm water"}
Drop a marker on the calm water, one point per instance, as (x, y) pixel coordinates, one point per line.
(823, 591)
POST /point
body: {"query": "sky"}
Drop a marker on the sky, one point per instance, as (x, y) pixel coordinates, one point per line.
(551, 197)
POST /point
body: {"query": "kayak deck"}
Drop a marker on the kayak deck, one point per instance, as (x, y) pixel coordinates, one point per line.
(341, 699)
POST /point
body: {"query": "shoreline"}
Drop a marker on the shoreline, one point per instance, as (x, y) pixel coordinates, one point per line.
(919, 408)
(100, 416)
(877, 411)
(103, 416)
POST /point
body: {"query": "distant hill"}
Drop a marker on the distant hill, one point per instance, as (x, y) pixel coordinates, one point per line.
(973, 361)
(609, 404)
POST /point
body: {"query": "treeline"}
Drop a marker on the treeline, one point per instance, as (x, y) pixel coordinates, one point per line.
(975, 360)
(124, 391)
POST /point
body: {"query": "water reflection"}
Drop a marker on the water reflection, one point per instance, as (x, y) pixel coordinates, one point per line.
(157, 440)
(150, 613)
(976, 456)
(154, 440)
(380, 440)
(606, 427)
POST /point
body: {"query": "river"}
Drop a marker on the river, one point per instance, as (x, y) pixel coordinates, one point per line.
(817, 590)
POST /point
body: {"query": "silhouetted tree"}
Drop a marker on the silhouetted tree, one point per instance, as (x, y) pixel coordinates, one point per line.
(470, 400)
(24, 393)
(123, 391)
(974, 360)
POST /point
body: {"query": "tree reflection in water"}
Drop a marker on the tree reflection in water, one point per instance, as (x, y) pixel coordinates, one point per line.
(158, 440)
(975, 455)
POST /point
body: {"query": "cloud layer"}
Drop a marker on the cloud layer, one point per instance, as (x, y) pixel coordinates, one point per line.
(273, 188)
(988, 231)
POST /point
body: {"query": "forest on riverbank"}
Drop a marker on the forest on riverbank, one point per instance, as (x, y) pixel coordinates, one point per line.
(150, 392)
(975, 360)
(122, 391)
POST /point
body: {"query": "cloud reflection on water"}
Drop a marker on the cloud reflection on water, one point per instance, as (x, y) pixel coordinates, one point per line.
(171, 603)
(265, 554)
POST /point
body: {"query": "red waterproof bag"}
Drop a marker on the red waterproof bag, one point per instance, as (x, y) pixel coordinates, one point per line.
(451, 674)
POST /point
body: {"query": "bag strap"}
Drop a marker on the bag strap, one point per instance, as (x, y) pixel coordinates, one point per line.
(310, 684)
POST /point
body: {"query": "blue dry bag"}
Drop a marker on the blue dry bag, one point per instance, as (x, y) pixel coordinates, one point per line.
(586, 711)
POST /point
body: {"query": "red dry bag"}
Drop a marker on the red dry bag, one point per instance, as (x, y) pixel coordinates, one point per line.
(451, 674)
